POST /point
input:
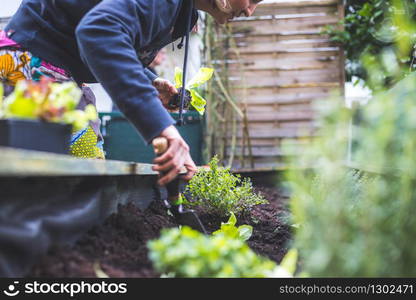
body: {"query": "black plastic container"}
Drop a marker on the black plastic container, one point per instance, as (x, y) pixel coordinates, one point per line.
(35, 135)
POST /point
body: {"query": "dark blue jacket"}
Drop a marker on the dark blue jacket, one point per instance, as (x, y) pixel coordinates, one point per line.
(107, 41)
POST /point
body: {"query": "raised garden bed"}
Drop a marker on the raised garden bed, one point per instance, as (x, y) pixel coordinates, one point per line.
(118, 246)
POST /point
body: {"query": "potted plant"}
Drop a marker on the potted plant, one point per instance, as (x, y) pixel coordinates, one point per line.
(42, 115)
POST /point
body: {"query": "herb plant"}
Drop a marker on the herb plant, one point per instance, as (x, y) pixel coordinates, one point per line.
(219, 191)
(47, 101)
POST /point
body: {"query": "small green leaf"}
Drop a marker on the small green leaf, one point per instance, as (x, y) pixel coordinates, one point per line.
(289, 261)
(178, 77)
(232, 220)
(99, 271)
(245, 232)
(202, 76)
(198, 102)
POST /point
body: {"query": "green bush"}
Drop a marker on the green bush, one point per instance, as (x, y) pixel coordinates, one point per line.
(219, 191)
(355, 225)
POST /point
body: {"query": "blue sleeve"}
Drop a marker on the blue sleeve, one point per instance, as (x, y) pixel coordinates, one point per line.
(106, 37)
(152, 76)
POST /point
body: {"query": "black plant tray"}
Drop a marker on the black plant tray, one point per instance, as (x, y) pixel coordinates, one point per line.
(35, 135)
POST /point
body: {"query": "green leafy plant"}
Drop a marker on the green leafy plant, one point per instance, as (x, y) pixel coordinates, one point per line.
(203, 75)
(185, 252)
(218, 190)
(188, 253)
(229, 229)
(47, 101)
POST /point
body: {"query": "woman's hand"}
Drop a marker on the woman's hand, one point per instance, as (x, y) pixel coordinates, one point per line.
(175, 158)
(166, 90)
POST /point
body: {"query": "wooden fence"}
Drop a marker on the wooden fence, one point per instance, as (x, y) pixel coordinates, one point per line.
(278, 65)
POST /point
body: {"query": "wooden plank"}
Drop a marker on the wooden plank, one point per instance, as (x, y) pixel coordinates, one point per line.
(245, 94)
(256, 108)
(275, 63)
(281, 99)
(264, 151)
(267, 10)
(251, 45)
(281, 116)
(298, 3)
(275, 124)
(312, 124)
(311, 24)
(262, 85)
(276, 142)
(258, 39)
(280, 16)
(313, 56)
(280, 35)
(16, 162)
(262, 163)
(283, 77)
(276, 133)
(276, 48)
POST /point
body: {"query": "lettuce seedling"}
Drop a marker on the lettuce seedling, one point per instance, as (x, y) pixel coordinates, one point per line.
(192, 98)
(229, 229)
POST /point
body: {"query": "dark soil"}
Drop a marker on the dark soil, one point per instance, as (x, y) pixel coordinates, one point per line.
(118, 247)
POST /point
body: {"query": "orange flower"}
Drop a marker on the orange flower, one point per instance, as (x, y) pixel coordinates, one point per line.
(9, 72)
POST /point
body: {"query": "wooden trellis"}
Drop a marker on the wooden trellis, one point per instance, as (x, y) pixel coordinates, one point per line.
(270, 68)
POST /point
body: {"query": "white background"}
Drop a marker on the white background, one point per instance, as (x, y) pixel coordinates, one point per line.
(8, 7)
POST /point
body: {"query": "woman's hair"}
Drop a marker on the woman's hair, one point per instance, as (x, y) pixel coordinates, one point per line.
(212, 2)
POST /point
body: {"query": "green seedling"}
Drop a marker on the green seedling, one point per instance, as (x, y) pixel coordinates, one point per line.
(243, 232)
(193, 100)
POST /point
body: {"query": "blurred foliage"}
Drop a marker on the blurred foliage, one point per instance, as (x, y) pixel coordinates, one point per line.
(360, 223)
(221, 192)
(47, 101)
(355, 204)
(372, 28)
